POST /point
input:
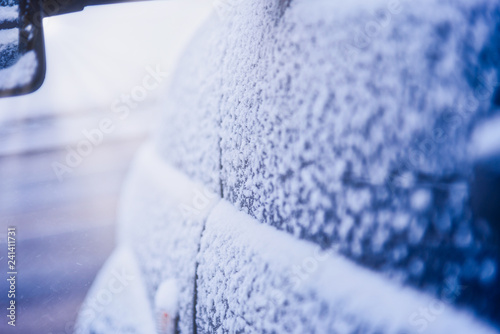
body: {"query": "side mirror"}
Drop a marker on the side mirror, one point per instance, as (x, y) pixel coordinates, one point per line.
(22, 53)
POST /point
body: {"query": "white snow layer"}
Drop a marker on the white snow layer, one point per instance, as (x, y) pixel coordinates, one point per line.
(247, 277)
(253, 278)
(8, 13)
(21, 73)
(161, 218)
(117, 301)
(311, 118)
(166, 306)
(8, 37)
(347, 125)
(166, 297)
(486, 139)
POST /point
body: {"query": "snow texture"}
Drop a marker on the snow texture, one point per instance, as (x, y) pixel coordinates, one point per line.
(189, 137)
(20, 73)
(8, 14)
(348, 125)
(166, 297)
(255, 279)
(9, 39)
(161, 218)
(245, 277)
(117, 301)
(166, 306)
(8, 3)
(486, 139)
(9, 48)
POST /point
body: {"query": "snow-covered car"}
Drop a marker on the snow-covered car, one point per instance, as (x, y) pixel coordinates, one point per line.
(313, 173)
(320, 167)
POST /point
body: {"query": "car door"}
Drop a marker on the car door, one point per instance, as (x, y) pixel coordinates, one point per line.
(310, 173)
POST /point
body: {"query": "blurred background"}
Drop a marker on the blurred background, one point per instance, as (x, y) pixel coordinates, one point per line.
(97, 61)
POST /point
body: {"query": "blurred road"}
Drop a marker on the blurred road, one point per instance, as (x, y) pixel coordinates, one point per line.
(65, 230)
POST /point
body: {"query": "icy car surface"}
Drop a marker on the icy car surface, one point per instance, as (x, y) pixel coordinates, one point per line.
(329, 152)
(16, 69)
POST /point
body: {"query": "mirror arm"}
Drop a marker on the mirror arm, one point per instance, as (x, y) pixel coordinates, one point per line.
(59, 7)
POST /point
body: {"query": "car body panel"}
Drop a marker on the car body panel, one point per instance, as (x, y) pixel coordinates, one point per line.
(355, 141)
